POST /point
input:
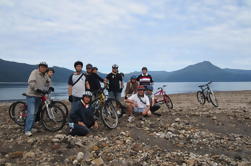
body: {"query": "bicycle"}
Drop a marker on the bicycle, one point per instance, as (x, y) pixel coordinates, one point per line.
(206, 94)
(49, 112)
(161, 97)
(104, 109)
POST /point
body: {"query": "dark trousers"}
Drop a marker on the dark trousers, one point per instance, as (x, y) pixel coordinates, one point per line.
(154, 108)
(79, 130)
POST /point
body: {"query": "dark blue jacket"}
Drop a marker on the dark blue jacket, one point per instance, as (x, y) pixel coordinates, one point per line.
(82, 114)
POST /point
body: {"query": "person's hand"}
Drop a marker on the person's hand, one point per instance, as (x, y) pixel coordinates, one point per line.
(70, 98)
(40, 91)
(51, 89)
(96, 126)
(81, 124)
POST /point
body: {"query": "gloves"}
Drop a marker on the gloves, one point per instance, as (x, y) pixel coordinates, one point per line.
(70, 98)
(39, 91)
(51, 89)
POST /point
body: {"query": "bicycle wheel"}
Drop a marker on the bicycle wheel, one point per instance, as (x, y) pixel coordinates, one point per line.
(200, 97)
(19, 112)
(109, 115)
(168, 102)
(213, 99)
(62, 106)
(120, 109)
(11, 112)
(53, 119)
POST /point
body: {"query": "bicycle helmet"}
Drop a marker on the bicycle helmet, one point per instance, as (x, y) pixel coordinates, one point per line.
(144, 68)
(140, 87)
(115, 66)
(78, 63)
(89, 66)
(133, 77)
(43, 64)
(87, 94)
(51, 69)
(94, 68)
(149, 87)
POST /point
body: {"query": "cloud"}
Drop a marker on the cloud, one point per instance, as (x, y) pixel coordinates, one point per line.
(163, 35)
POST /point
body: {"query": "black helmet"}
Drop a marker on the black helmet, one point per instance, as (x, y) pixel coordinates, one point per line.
(78, 63)
(115, 66)
(43, 64)
(89, 66)
(144, 68)
(51, 69)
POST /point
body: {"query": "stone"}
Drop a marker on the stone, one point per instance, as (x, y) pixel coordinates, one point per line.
(29, 155)
(14, 155)
(98, 162)
(80, 156)
(214, 118)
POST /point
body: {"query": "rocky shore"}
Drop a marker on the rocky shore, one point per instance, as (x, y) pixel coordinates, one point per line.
(189, 135)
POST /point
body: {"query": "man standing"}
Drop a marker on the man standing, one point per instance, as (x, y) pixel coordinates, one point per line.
(131, 86)
(77, 84)
(115, 83)
(38, 83)
(145, 79)
(93, 78)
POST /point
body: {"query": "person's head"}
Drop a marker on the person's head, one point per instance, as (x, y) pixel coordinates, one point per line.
(94, 69)
(88, 68)
(133, 78)
(78, 65)
(87, 97)
(50, 72)
(115, 68)
(144, 70)
(149, 89)
(42, 67)
(141, 90)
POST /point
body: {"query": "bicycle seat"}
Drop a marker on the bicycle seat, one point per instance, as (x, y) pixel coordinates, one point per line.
(24, 94)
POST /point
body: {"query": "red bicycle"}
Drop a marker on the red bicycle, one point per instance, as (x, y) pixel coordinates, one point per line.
(161, 97)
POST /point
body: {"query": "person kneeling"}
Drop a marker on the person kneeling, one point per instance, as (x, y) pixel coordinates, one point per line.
(138, 103)
(82, 118)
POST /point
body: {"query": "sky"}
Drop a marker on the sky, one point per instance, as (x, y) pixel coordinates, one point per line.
(164, 35)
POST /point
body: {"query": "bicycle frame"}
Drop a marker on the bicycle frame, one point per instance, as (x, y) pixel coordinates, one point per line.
(160, 92)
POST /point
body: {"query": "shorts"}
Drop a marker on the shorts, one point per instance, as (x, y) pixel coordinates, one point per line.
(139, 110)
(114, 95)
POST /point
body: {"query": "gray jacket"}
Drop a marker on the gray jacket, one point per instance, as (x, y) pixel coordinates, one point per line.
(37, 80)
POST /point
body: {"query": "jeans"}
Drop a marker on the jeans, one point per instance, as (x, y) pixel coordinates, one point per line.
(33, 104)
(75, 103)
(79, 130)
(114, 95)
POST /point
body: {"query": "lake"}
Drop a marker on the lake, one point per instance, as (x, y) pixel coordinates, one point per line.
(13, 91)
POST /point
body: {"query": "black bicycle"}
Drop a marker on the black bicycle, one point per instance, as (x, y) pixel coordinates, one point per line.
(51, 114)
(206, 94)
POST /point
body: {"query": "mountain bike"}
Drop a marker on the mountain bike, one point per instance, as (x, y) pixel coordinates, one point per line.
(104, 109)
(206, 94)
(161, 97)
(51, 114)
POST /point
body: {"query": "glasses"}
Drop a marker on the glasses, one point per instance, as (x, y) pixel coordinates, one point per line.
(115, 68)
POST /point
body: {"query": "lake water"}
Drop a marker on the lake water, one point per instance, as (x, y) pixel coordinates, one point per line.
(13, 91)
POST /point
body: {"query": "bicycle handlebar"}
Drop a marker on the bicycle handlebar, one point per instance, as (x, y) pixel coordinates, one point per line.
(207, 84)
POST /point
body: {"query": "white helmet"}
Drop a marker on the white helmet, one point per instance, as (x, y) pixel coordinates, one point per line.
(87, 93)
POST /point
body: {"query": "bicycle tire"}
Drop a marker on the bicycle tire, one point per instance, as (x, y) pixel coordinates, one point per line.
(109, 110)
(201, 97)
(118, 106)
(168, 101)
(10, 111)
(62, 106)
(46, 118)
(19, 113)
(213, 99)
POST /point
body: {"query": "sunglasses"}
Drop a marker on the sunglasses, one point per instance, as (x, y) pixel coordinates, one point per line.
(115, 68)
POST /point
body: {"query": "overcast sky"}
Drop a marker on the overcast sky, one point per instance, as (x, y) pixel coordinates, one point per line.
(160, 34)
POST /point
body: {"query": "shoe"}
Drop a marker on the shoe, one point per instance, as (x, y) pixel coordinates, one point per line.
(131, 118)
(28, 133)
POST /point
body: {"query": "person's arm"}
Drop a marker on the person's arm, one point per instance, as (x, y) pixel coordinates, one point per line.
(99, 78)
(151, 79)
(127, 89)
(87, 85)
(70, 83)
(32, 80)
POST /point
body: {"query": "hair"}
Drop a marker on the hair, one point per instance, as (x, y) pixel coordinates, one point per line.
(78, 63)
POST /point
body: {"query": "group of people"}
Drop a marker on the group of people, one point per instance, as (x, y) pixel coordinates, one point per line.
(83, 87)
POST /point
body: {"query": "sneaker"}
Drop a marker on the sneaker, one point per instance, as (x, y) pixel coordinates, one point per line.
(131, 118)
(28, 133)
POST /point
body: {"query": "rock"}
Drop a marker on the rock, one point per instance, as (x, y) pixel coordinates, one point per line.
(14, 155)
(75, 162)
(214, 118)
(177, 120)
(80, 156)
(94, 148)
(60, 136)
(29, 155)
(98, 162)
(55, 140)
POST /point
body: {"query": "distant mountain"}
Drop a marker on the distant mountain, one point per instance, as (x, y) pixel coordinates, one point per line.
(19, 72)
(200, 72)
